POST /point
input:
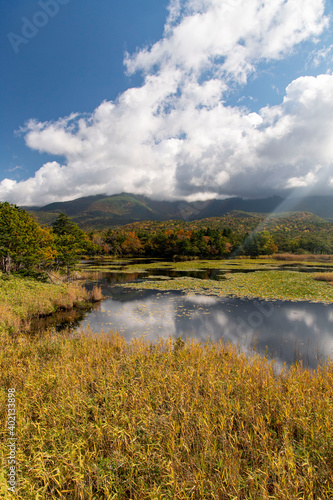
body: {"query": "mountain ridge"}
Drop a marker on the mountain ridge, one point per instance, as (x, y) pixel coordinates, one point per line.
(102, 211)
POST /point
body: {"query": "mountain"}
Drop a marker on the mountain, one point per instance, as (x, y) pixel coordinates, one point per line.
(102, 211)
(318, 205)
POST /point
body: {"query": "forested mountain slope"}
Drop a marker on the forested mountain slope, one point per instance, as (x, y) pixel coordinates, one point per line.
(101, 211)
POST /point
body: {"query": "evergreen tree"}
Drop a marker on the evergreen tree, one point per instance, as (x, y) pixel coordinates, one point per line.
(259, 244)
(70, 242)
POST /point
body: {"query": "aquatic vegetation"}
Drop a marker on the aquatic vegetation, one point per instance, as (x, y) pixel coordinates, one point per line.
(194, 265)
(156, 277)
(101, 418)
(271, 285)
(239, 263)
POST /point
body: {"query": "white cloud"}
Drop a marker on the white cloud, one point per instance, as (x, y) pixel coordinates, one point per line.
(230, 36)
(13, 169)
(53, 139)
(175, 136)
(302, 181)
(323, 55)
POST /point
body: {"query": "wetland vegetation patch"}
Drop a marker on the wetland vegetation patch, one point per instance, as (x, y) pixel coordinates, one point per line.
(265, 284)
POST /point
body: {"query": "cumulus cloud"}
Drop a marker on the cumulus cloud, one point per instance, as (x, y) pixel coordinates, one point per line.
(175, 137)
(229, 37)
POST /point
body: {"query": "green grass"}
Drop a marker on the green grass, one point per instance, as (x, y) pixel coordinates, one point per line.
(98, 418)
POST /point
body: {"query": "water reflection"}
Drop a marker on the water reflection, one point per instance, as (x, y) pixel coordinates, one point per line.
(286, 331)
(61, 320)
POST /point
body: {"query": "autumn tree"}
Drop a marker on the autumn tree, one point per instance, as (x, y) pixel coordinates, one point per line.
(132, 244)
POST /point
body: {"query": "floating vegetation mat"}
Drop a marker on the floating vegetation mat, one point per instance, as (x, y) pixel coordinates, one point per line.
(270, 285)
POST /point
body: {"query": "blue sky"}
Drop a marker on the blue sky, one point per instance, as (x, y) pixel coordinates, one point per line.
(172, 99)
(71, 65)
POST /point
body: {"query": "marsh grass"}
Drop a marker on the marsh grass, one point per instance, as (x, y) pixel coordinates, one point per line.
(95, 295)
(303, 258)
(99, 418)
(324, 277)
(22, 299)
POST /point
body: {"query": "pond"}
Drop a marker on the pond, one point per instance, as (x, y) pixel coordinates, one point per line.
(285, 331)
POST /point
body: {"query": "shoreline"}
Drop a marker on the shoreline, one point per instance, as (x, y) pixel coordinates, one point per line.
(24, 300)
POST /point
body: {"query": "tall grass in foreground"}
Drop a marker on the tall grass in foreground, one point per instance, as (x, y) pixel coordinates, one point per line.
(99, 418)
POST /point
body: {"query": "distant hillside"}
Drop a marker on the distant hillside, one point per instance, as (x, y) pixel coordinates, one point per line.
(101, 211)
(290, 224)
(319, 205)
(98, 212)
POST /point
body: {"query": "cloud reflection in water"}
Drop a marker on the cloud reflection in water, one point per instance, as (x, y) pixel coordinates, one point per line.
(287, 331)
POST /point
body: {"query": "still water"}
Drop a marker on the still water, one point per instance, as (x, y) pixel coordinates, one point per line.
(285, 331)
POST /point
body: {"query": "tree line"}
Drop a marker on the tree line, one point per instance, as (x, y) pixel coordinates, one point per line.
(201, 243)
(28, 248)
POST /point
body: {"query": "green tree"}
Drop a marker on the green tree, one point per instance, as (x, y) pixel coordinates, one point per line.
(70, 243)
(259, 244)
(24, 245)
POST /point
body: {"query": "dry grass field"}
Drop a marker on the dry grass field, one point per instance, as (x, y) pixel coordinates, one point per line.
(99, 418)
